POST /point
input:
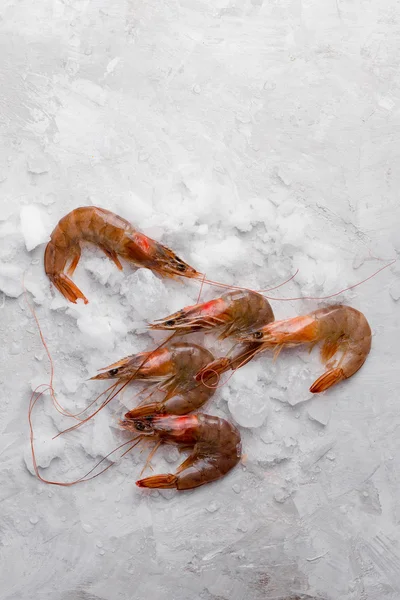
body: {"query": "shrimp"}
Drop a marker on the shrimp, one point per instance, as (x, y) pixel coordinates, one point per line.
(174, 367)
(216, 448)
(116, 237)
(342, 329)
(234, 313)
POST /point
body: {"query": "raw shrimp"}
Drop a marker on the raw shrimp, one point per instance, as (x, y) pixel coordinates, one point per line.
(116, 237)
(342, 329)
(174, 367)
(216, 448)
(234, 313)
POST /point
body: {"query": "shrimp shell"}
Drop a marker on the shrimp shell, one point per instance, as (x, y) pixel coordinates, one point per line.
(116, 237)
(216, 448)
(342, 329)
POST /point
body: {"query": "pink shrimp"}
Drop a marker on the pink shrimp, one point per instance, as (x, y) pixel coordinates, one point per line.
(174, 367)
(232, 314)
(216, 448)
(342, 329)
(116, 237)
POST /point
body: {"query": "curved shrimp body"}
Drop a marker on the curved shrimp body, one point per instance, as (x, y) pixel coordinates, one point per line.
(216, 448)
(233, 313)
(342, 329)
(116, 237)
(174, 367)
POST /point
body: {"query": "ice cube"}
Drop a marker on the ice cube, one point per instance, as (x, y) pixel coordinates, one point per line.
(33, 226)
(320, 410)
(38, 163)
(11, 280)
(249, 408)
(146, 293)
(46, 450)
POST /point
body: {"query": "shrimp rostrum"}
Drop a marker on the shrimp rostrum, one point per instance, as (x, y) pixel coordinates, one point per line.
(216, 447)
(234, 313)
(344, 331)
(172, 367)
(116, 237)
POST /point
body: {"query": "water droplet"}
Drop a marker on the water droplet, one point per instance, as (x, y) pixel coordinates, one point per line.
(242, 526)
(34, 520)
(212, 507)
(99, 544)
(236, 488)
(102, 552)
(365, 494)
(15, 349)
(88, 528)
(63, 519)
(281, 495)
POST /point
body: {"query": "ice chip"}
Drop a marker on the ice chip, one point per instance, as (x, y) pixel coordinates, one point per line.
(38, 164)
(33, 226)
(11, 280)
(249, 408)
(320, 410)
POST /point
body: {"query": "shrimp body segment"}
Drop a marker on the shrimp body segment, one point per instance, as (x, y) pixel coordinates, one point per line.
(116, 237)
(216, 448)
(344, 331)
(233, 313)
(174, 367)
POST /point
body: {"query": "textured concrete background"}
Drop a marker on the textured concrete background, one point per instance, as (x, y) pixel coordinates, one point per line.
(254, 138)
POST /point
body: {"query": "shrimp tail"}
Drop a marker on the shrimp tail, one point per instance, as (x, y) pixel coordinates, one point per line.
(213, 369)
(68, 288)
(166, 481)
(326, 380)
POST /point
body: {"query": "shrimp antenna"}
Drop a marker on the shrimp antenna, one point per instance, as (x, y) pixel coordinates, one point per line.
(350, 287)
(114, 392)
(237, 287)
(136, 440)
(56, 403)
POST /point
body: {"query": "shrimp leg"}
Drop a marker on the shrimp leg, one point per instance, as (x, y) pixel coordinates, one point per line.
(112, 255)
(341, 329)
(76, 255)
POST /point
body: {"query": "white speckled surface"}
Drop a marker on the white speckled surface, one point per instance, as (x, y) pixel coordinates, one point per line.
(253, 138)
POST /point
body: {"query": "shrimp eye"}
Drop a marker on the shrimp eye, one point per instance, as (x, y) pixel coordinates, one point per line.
(181, 267)
(113, 372)
(257, 335)
(170, 323)
(140, 426)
